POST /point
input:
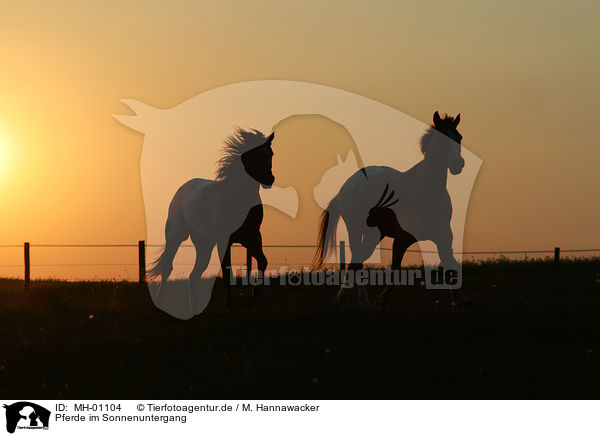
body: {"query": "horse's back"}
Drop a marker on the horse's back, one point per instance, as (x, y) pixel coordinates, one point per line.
(184, 194)
(415, 210)
(362, 189)
(365, 183)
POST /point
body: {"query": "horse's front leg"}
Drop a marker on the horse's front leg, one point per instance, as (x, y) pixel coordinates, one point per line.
(448, 261)
(204, 249)
(225, 255)
(446, 253)
(254, 246)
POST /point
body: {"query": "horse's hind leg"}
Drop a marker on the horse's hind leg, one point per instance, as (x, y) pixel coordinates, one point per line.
(363, 297)
(355, 241)
(175, 233)
(225, 255)
(204, 249)
(203, 252)
(362, 246)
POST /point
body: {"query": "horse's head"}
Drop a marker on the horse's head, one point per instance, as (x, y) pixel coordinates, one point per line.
(447, 126)
(249, 152)
(258, 163)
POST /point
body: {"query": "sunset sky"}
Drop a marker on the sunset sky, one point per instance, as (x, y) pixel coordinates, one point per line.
(523, 76)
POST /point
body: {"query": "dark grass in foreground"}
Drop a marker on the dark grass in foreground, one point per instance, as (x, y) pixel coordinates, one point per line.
(532, 332)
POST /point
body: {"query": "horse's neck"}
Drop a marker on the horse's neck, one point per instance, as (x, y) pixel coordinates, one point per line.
(241, 188)
(434, 172)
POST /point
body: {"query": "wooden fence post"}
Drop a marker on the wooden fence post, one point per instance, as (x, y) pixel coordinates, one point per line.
(27, 265)
(248, 265)
(342, 255)
(142, 260)
(556, 257)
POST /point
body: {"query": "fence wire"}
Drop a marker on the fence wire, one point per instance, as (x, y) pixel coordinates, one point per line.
(468, 253)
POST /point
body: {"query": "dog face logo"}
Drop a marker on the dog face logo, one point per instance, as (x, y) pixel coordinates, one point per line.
(26, 415)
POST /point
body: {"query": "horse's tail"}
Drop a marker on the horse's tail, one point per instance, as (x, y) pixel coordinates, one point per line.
(157, 267)
(175, 234)
(327, 232)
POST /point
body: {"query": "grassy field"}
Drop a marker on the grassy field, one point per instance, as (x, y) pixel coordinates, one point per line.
(532, 332)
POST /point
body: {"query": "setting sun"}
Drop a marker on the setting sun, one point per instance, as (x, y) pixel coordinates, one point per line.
(2, 158)
(5, 159)
(10, 159)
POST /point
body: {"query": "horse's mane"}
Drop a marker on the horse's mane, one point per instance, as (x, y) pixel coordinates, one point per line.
(429, 137)
(236, 145)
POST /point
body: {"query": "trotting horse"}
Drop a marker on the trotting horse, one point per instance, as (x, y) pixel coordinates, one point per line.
(423, 207)
(224, 211)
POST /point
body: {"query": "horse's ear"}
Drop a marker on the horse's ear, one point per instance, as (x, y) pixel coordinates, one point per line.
(456, 120)
(269, 139)
(436, 119)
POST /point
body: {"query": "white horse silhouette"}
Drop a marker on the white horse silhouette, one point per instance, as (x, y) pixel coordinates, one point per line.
(424, 208)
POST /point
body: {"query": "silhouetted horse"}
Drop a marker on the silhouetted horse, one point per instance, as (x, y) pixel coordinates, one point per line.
(423, 207)
(224, 211)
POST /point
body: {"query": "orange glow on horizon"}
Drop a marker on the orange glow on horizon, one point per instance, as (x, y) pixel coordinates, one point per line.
(69, 172)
